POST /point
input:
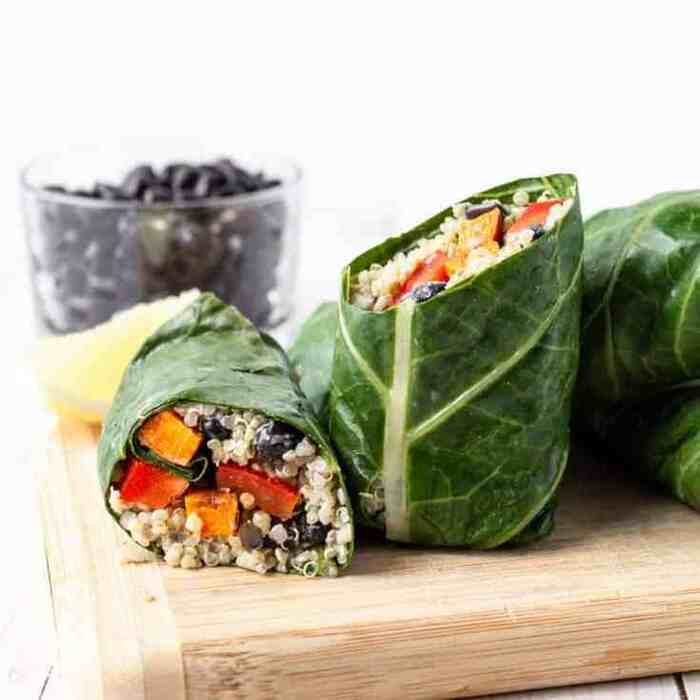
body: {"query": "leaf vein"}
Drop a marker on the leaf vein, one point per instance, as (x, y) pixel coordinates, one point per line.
(359, 359)
(677, 349)
(429, 424)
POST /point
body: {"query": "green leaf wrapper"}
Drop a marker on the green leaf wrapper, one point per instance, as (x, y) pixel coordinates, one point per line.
(452, 416)
(211, 354)
(640, 352)
(311, 356)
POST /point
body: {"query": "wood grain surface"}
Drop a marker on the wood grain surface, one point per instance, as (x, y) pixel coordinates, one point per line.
(614, 594)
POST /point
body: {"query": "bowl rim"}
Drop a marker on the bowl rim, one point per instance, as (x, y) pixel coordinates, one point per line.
(287, 183)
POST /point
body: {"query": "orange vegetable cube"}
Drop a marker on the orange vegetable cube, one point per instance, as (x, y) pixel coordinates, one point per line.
(483, 231)
(167, 435)
(151, 486)
(218, 511)
(487, 226)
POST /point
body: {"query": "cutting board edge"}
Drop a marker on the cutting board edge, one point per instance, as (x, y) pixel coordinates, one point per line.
(591, 656)
(114, 654)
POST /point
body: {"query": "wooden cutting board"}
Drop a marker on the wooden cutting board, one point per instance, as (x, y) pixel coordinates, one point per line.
(614, 593)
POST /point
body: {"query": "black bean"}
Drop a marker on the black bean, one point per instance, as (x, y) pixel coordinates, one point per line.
(231, 184)
(184, 178)
(212, 429)
(293, 535)
(203, 186)
(273, 439)
(310, 535)
(537, 231)
(157, 193)
(217, 177)
(427, 291)
(137, 180)
(251, 537)
(167, 173)
(480, 209)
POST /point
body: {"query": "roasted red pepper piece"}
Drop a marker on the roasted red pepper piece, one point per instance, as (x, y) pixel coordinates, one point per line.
(151, 486)
(535, 214)
(272, 495)
(431, 270)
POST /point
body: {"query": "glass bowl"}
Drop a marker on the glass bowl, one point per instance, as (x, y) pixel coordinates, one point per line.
(92, 257)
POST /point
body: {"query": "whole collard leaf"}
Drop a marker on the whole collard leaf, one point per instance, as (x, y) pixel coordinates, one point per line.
(211, 354)
(452, 416)
(640, 351)
(641, 305)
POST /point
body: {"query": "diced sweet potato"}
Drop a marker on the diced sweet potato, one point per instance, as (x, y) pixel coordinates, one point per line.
(167, 435)
(274, 496)
(218, 511)
(484, 231)
(487, 226)
(151, 486)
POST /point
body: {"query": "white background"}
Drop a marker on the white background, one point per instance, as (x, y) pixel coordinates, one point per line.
(392, 107)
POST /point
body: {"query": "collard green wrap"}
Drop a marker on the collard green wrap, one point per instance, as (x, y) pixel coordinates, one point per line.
(311, 356)
(640, 352)
(452, 416)
(211, 354)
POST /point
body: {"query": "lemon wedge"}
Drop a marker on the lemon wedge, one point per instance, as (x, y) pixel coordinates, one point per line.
(79, 373)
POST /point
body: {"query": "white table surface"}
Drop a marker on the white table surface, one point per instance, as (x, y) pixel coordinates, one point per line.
(28, 657)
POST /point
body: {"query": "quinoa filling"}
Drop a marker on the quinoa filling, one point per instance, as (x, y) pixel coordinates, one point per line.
(473, 239)
(267, 500)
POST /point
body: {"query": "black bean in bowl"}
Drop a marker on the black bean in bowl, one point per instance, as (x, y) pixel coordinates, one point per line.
(215, 225)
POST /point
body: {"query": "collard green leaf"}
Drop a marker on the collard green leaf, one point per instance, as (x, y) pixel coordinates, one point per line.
(311, 356)
(211, 354)
(641, 336)
(452, 416)
(641, 306)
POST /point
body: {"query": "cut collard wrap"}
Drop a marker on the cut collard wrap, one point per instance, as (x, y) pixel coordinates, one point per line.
(640, 352)
(452, 416)
(211, 355)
